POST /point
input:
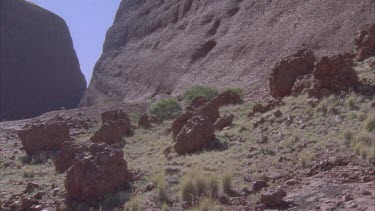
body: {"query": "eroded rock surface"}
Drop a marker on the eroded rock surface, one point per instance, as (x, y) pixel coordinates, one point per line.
(39, 69)
(286, 71)
(197, 133)
(100, 171)
(365, 42)
(65, 157)
(47, 136)
(115, 125)
(160, 48)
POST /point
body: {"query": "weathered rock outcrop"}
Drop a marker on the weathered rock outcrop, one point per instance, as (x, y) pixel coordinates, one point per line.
(65, 157)
(115, 125)
(365, 42)
(286, 71)
(197, 133)
(159, 48)
(39, 69)
(94, 174)
(330, 75)
(48, 136)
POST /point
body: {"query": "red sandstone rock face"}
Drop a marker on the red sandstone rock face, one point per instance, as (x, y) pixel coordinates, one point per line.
(365, 42)
(116, 125)
(94, 174)
(39, 69)
(161, 47)
(197, 133)
(286, 71)
(69, 150)
(44, 137)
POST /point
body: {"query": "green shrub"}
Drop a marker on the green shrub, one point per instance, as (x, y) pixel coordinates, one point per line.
(199, 91)
(165, 109)
(237, 90)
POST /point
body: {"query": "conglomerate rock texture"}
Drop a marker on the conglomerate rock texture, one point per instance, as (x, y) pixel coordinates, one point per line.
(39, 69)
(157, 48)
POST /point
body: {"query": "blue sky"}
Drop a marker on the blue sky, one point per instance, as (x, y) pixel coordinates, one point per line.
(88, 21)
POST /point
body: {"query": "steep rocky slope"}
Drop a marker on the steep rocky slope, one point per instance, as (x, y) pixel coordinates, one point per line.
(157, 48)
(39, 69)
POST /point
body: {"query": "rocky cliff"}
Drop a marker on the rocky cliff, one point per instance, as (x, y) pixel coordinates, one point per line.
(39, 69)
(157, 48)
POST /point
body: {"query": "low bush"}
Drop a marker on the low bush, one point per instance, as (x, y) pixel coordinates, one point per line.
(165, 109)
(199, 91)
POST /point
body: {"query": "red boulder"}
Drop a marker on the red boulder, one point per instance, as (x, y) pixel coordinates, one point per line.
(116, 125)
(65, 157)
(44, 137)
(197, 133)
(286, 71)
(94, 174)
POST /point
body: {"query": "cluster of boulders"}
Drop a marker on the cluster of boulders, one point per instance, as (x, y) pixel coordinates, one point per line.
(302, 73)
(92, 171)
(365, 43)
(195, 129)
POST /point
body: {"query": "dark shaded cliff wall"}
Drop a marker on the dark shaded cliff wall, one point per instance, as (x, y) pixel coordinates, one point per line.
(157, 48)
(39, 68)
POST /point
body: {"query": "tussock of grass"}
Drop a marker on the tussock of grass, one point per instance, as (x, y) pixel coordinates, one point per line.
(134, 205)
(226, 182)
(305, 158)
(196, 185)
(199, 91)
(351, 102)
(206, 204)
(362, 117)
(370, 123)
(159, 182)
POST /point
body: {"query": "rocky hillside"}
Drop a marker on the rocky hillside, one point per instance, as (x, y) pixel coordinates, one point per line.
(39, 69)
(215, 153)
(159, 48)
